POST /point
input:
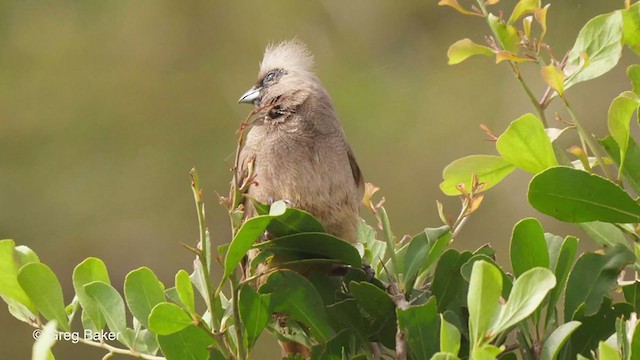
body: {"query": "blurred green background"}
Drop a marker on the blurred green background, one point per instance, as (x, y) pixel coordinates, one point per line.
(106, 105)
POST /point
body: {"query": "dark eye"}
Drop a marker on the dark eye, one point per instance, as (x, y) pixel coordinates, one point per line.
(269, 78)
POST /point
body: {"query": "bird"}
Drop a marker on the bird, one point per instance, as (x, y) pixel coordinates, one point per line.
(296, 149)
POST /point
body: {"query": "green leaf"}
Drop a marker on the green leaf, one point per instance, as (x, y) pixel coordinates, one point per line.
(595, 328)
(314, 245)
(378, 308)
(420, 325)
(43, 288)
(143, 291)
(486, 352)
(600, 39)
(467, 268)
(90, 270)
(592, 277)
(632, 294)
(604, 234)
(489, 169)
(483, 299)
(295, 296)
(185, 290)
(561, 272)
(523, 7)
(246, 236)
(444, 356)
(190, 343)
(449, 337)
(631, 27)
(631, 169)
(291, 221)
(528, 246)
(24, 255)
(448, 286)
(439, 239)
(619, 119)
(507, 35)
(633, 72)
(416, 255)
(606, 352)
(374, 249)
(635, 343)
(526, 145)
(529, 290)
(465, 48)
(168, 318)
(44, 342)
(576, 196)
(10, 289)
(554, 77)
(254, 312)
(111, 305)
(558, 337)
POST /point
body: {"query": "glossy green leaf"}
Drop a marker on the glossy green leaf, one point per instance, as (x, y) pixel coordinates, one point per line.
(42, 286)
(448, 286)
(247, 235)
(374, 249)
(314, 245)
(168, 318)
(523, 7)
(295, 296)
(184, 287)
(486, 352)
(631, 169)
(10, 289)
(619, 120)
(449, 337)
(378, 308)
(528, 246)
(506, 34)
(633, 72)
(291, 221)
(420, 326)
(576, 196)
(444, 356)
(631, 27)
(592, 277)
(143, 291)
(465, 48)
(415, 257)
(604, 234)
(44, 342)
(554, 77)
(529, 290)
(606, 352)
(111, 306)
(483, 300)
(601, 40)
(553, 344)
(467, 268)
(439, 238)
(526, 145)
(254, 312)
(561, 271)
(489, 169)
(190, 343)
(90, 270)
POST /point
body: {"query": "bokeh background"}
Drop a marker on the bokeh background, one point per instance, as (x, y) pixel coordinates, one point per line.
(106, 105)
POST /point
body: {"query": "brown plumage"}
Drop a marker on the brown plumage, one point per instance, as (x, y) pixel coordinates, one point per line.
(298, 149)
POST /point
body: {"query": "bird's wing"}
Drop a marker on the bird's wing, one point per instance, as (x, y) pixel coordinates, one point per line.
(355, 170)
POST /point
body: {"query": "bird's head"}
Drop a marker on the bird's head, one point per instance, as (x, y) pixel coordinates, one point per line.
(285, 70)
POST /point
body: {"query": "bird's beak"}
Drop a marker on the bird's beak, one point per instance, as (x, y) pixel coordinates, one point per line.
(251, 96)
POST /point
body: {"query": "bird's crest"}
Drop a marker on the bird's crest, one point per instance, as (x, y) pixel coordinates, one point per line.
(291, 55)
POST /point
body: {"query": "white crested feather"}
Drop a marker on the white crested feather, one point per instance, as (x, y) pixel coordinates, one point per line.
(291, 55)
